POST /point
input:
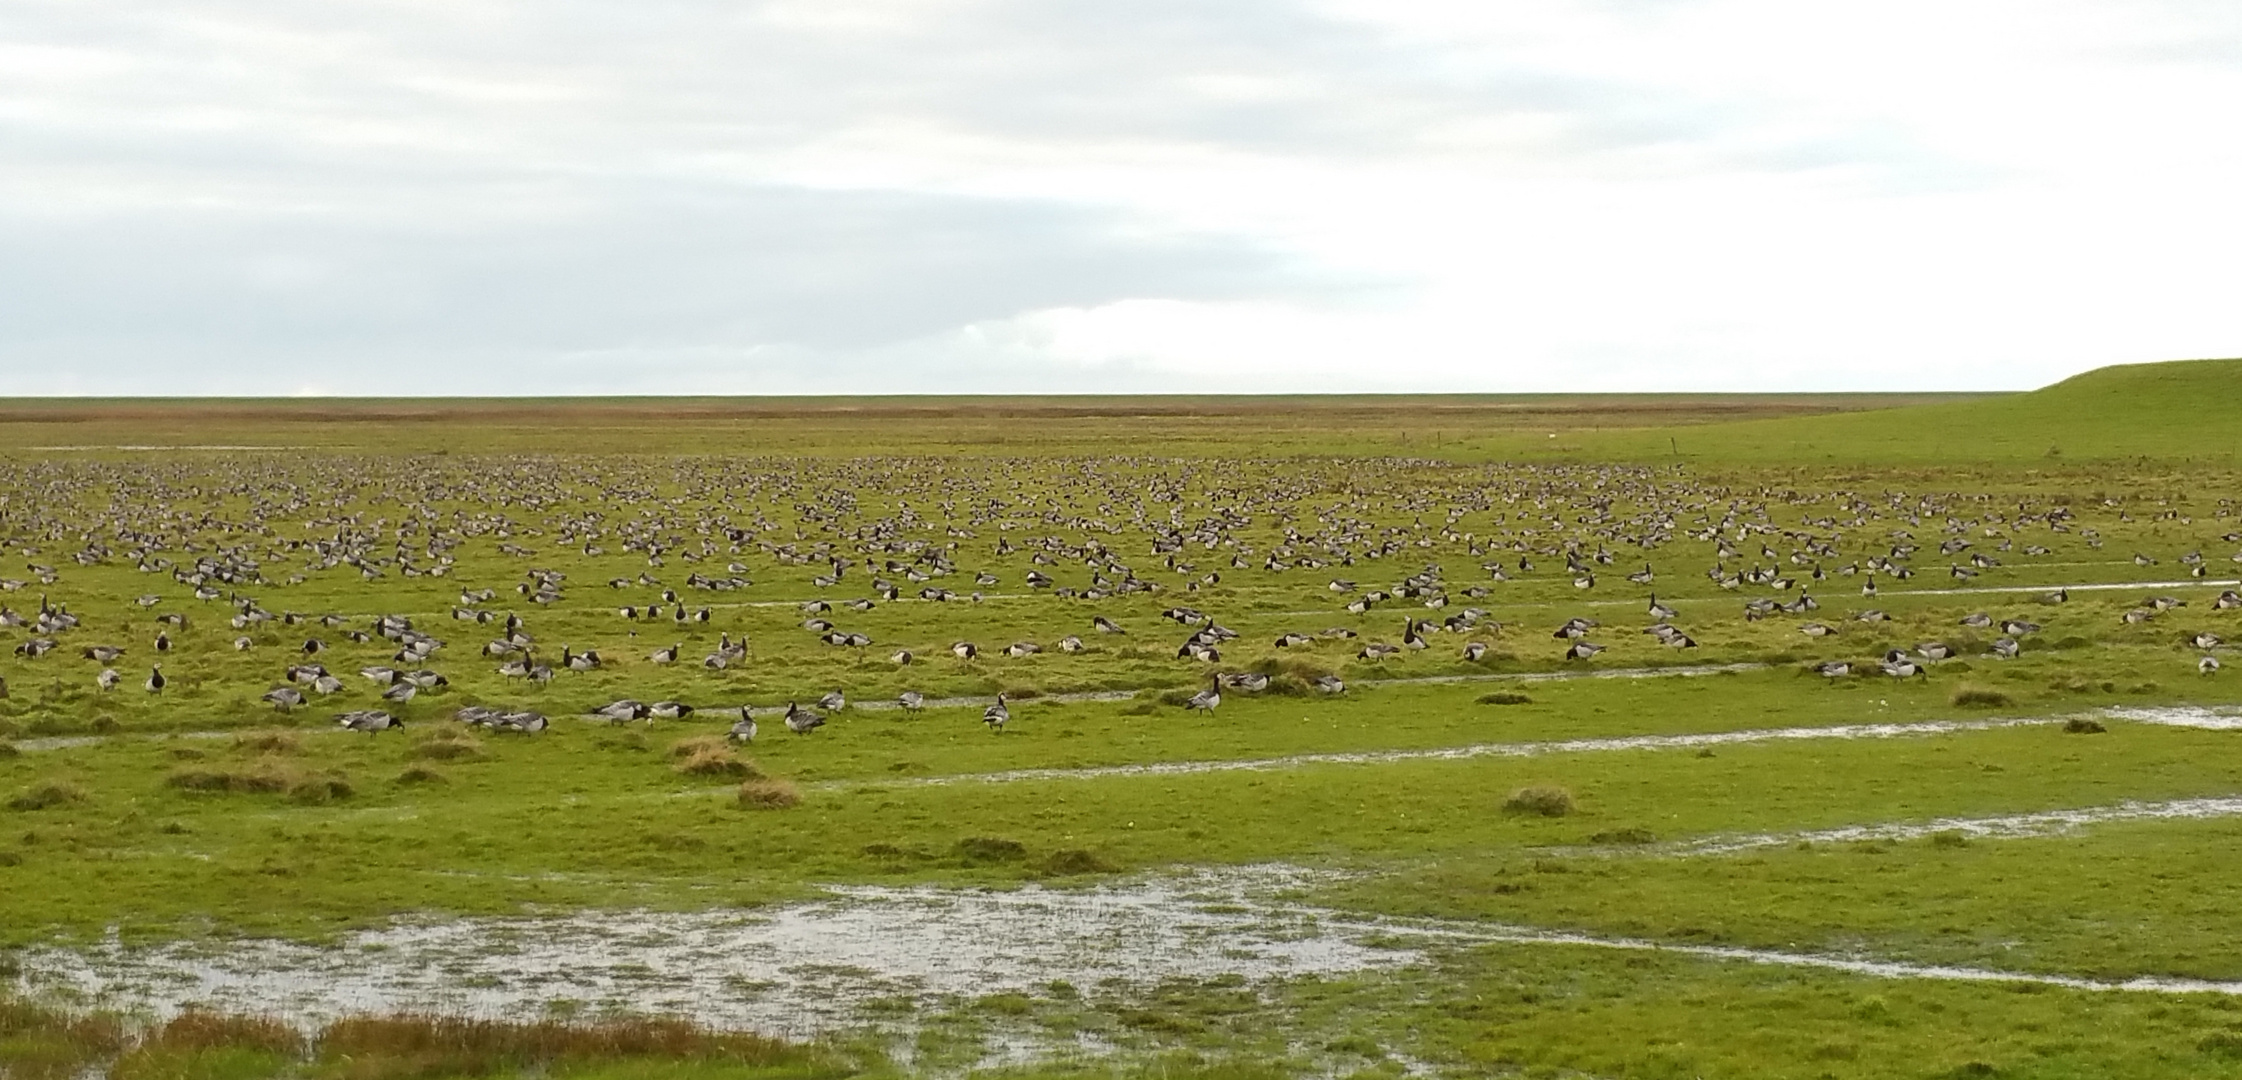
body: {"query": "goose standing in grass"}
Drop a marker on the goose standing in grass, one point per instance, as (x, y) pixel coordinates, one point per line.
(1833, 669)
(1660, 611)
(2006, 648)
(106, 654)
(622, 712)
(801, 721)
(964, 650)
(911, 700)
(2209, 665)
(902, 658)
(666, 656)
(521, 723)
(1105, 625)
(1582, 649)
(1207, 699)
(1935, 650)
(1330, 684)
(996, 715)
(1897, 665)
(284, 698)
(833, 701)
(155, 681)
(743, 729)
(327, 684)
(369, 721)
(2205, 639)
(1475, 651)
(108, 679)
(400, 692)
(669, 710)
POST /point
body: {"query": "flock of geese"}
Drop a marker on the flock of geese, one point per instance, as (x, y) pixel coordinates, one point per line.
(234, 534)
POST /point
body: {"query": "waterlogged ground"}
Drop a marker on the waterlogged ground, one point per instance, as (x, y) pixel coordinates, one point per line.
(1535, 770)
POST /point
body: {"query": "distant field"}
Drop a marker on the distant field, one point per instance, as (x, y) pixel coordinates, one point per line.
(1437, 426)
(1532, 756)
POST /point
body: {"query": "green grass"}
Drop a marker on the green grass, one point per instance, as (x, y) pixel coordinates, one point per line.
(202, 813)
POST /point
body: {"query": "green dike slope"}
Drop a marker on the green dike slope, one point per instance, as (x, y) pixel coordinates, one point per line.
(2187, 409)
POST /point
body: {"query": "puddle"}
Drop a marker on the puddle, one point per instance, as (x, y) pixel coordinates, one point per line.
(868, 958)
(2004, 827)
(2209, 718)
(1479, 750)
(795, 971)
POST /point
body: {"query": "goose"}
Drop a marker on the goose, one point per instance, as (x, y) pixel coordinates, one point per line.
(1679, 640)
(2166, 603)
(800, 721)
(1660, 611)
(2208, 665)
(108, 679)
(476, 715)
(1329, 684)
(1574, 628)
(1291, 640)
(104, 653)
(1475, 651)
(1020, 649)
(964, 650)
(1935, 650)
(1070, 644)
(1377, 650)
(1977, 620)
(2019, 627)
(2006, 648)
(1816, 630)
(284, 698)
(583, 661)
(383, 675)
(2205, 640)
(1410, 639)
(911, 700)
(1206, 700)
(369, 721)
(1643, 578)
(515, 668)
(2059, 596)
(716, 661)
(424, 679)
(996, 715)
(521, 723)
(1833, 669)
(622, 712)
(670, 710)
(1252, 682)
(327, 684)
(242, 643)
(2228, 601)
(901, 658)
(833, 701)
(665, 656)
(163, 641)
(1581, 649)
(2137, 616)
(155, 682)
(1338, 633)
(743, 729)
(1868, 585)
(1897, 665)
(1105, 625)
(312, 646)
(400, 692)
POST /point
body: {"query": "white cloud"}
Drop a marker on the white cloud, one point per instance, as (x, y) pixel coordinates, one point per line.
(227, 196)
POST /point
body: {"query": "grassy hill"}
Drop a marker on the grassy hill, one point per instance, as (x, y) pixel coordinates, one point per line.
(2188, 409)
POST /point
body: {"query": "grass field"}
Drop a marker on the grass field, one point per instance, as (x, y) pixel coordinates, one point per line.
(2002, 852)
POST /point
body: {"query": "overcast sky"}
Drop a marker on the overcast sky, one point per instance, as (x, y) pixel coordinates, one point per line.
(889, 196)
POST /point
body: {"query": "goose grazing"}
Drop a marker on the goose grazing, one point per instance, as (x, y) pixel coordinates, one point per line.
(2019, 628)
(833, 701)
(1816, 630)
(2208, 665)
(622, 712)
(996, 715)
(1977, 620)
(742, 729)
(163, 641)
(284, 698)
(902, 658)
(1292, 640)
(665, 656)
(911, 699)
(1833, 669)
(583, 661)
(106, 654)
(1105, 625)
(108, 679)
(156, 681)
(1019, 649)
(326, 684)
(2006, 648)
(1205, 700)
(476, 715)
(1581, 649)
(670, 710)
(1330, 684)
(1475, 651)
(1898, 666)
(2059, 596)
(801, 721)
(400, 692)
(242, 643)
(2205, 640)
(1070, 644)
(369, 721)
(520, 723)
(1935, 650)
(1252, 682)
(1660, 611)
(1574, 628)
(964, 650)
(383, 675)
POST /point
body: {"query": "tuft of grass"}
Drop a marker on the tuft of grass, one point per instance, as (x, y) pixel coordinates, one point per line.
(1544, 800)
(768, 793)
(320, 788)
(47, 795)
(268, 742)
(1076, 861)
(447, 744)
(1633, 834)
(718, 761)
(991, 849)
(1505, 697)
(1969, 695)
(263, 780)
(2083, 725)
(401, 1047)
(200, 1029)
(422, 774)
(8, 750)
